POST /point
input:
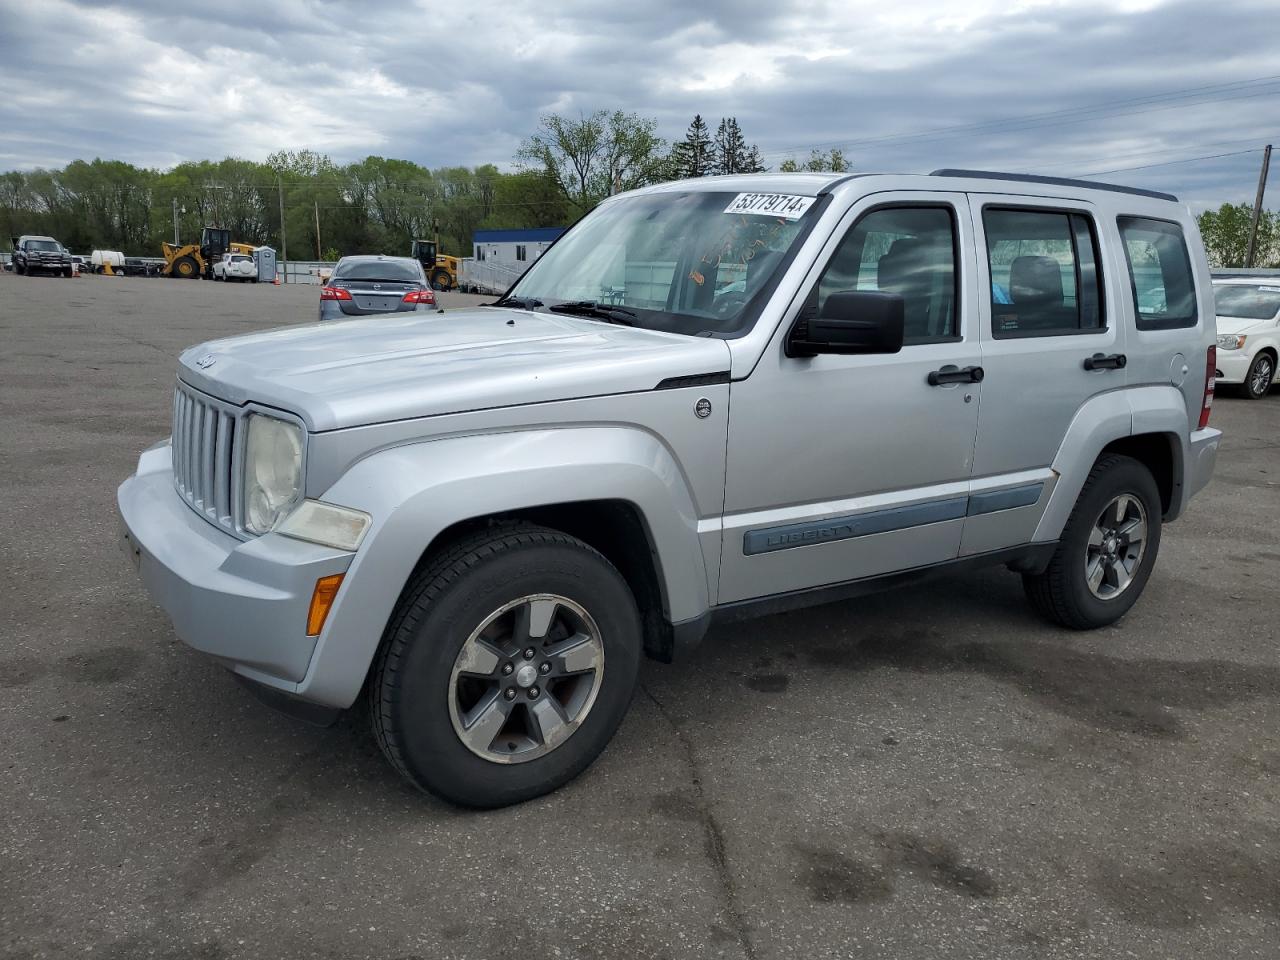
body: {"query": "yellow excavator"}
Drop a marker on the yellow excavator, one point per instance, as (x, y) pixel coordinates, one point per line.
(191, 261)
(441, 271)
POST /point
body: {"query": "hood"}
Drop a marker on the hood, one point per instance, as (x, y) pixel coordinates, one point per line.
(398, 366)
(1242, 324)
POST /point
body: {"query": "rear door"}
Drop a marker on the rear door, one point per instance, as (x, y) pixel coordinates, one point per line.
(1051, 339)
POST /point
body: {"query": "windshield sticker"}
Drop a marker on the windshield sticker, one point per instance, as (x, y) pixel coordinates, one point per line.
(771, 205)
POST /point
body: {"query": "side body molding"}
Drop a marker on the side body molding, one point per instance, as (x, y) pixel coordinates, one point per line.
(1103, 419)
(414, 492)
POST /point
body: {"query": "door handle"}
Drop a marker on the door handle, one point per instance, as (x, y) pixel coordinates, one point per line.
(1102, 361)
(953, 374)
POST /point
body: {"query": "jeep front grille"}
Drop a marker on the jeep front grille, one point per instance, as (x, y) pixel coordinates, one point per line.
(204, 439)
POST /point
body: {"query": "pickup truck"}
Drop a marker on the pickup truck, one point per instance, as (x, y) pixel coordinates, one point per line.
(707, 400)
(40, 255)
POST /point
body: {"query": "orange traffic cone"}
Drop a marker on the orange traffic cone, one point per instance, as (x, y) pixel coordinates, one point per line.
(276, 281)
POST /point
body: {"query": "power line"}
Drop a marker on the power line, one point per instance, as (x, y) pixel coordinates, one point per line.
(976, 128)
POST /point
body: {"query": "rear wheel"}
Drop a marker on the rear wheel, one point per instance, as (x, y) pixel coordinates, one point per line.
(506, 668)
(1107, 549)
(1262, 373)
(186, 268)
(441, 280)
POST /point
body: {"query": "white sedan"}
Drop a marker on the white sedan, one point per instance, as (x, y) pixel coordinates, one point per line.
(1248, 332)
(235, 266)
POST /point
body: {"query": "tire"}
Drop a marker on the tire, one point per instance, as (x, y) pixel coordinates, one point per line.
(19, 268)
(186, 268)
(497, 579)
(1261, 375)
(1062, 593)
(441, 280)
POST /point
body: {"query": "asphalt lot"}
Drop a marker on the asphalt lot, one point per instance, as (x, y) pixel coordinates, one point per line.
(922, 774)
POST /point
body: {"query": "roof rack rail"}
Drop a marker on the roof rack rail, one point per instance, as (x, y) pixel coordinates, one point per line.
(1056, 181)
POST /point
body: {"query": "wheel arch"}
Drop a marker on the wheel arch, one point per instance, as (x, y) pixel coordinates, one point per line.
(1150, 424)
(618, 489)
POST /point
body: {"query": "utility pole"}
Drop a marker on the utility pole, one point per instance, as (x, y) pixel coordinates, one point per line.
(284, 243)
(1257, 208)
(176, 241)
(318, 255)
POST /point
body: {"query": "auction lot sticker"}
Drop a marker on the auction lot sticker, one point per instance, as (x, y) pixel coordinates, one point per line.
(783, 205)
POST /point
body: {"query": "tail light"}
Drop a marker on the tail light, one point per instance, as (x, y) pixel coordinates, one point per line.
(420, 296)
(334, 293)
(1210, 375)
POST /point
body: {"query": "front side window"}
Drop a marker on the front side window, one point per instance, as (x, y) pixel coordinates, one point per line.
(1164, 293)
(686, 263)
(908, 251)
(1044, 273)
(1247, 301)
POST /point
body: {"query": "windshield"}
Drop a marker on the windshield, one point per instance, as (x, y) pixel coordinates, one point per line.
(401, 270)
(1248, 302)
(677, 262)
(43, 245)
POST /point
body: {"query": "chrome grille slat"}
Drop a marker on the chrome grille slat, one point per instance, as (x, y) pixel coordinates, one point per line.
(204, 437)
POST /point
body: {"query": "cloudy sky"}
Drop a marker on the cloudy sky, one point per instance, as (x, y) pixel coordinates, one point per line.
(1119, 90)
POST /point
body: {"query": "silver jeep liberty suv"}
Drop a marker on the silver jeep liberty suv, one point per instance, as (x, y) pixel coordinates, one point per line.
(708, 399)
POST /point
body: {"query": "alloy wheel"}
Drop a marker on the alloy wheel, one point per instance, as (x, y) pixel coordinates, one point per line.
(1260, 378)
(526, 678)
(1117, 543)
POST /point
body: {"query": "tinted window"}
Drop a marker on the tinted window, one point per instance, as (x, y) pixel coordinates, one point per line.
(1164, 294)
(910, 251)
(43, 245)
(1044, 273)
(1250, 303)
(379, 270)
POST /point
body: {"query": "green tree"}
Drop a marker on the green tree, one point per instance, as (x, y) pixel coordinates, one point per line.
(830, 161)
(593, 156)
(1225, 232)
(693, 156)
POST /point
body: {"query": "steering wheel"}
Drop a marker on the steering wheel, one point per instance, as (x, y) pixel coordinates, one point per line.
(728, 304)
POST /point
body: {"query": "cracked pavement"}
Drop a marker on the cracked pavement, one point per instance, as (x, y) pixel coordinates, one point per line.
(925, 773)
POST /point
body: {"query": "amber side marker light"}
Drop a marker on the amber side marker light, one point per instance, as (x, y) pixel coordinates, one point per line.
(321, 602)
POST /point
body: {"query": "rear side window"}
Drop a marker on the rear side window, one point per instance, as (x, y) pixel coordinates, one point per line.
(1044, 273)
(910, 251)
(1164, 293)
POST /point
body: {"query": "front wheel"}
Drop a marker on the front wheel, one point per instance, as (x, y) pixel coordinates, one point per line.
(1262, 373)
(506, 668)
(441, 280)
(1107, 549)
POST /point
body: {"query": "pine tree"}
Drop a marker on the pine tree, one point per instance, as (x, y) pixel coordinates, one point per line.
(754, 163)
(691, 157)
(731, 148)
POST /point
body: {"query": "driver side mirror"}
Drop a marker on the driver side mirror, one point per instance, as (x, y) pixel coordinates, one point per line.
(852, 321)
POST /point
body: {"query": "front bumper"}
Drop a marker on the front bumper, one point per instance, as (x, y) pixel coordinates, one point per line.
(243, 602)
(1233, 365)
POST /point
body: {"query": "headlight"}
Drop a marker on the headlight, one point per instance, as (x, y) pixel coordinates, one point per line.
(272, 471)
(1231, 341)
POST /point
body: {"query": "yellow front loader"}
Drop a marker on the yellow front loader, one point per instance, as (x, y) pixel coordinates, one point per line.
(191, 261)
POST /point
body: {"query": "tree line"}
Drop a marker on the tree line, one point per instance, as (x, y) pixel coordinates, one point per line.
(379, 204)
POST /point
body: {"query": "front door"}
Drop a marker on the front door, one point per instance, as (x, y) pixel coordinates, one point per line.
(1051, 339)
(845, 467)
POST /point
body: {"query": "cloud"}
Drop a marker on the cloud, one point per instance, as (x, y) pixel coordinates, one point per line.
(987, 83)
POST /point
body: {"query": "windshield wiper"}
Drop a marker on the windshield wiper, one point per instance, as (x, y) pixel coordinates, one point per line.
(590, 308)
(520, 303)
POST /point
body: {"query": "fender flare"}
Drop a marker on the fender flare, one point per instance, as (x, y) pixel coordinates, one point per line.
(1102, 420)
(416, 491)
